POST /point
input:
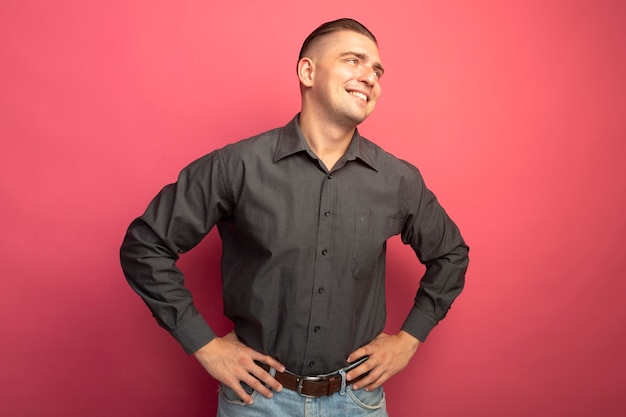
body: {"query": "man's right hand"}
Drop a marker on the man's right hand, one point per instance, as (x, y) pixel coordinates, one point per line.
(231, 362)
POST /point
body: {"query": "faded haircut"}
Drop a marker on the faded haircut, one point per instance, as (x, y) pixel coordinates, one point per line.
(334, 26)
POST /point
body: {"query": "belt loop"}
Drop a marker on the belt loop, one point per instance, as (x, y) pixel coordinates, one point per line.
(342, 391)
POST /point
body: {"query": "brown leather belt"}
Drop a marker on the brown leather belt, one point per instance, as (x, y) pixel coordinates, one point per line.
(311, 386)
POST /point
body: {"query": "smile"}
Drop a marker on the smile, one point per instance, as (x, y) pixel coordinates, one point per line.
(359, 95)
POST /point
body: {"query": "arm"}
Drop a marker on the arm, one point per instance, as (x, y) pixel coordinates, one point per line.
(178, 218)
(438, 244)
(175, 221)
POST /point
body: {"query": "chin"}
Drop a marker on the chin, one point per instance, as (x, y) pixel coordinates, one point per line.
(351, 118)
(360, 118)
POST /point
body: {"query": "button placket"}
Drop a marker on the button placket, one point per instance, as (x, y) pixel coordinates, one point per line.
(319, 302)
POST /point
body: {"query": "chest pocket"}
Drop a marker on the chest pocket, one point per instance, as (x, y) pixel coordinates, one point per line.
(371, 232)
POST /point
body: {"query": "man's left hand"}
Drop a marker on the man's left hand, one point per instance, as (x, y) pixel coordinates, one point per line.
(387, 355)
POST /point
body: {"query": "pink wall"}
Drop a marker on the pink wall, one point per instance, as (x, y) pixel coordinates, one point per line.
(516, 115)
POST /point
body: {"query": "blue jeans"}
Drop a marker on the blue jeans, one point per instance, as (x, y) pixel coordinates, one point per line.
(288, 403)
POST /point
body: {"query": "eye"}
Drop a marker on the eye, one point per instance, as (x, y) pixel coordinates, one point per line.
(352, 60)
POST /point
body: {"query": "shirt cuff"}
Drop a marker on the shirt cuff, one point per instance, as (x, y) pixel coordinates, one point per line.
(419, 324)
(194, 334)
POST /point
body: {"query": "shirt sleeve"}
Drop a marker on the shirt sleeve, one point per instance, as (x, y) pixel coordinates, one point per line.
(176, 220)
(438, 243)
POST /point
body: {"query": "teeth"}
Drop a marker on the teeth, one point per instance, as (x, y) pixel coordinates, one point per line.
(360, 95)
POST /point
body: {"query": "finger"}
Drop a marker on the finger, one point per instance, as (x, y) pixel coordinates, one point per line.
(266, 359)
(364, 368)
(371, 381)
(240, 392)
(266, 378)
(272, 362)
(259, 387)
(371, 386)
(358, 354)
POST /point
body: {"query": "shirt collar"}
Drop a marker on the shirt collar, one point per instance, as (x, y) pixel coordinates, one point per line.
(291, 141)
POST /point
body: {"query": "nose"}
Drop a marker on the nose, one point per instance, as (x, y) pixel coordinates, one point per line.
(368, 76)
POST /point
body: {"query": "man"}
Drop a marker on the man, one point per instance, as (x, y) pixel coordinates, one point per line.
(303, 212)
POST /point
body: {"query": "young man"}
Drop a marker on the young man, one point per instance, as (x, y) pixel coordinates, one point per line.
(304, 212)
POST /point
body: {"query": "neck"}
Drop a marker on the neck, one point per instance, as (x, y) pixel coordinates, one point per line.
(328, 141)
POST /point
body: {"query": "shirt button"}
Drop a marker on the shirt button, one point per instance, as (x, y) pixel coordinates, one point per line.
(327, 213)
(311, 364)
(320, 290)
(330, 176)
(316, 329)
(324, 251)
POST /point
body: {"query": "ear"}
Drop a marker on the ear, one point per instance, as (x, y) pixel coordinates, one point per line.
(305, 71)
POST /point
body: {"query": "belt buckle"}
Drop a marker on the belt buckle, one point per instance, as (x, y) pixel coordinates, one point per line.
(302, 379)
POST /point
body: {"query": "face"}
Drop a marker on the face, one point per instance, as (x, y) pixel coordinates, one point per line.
(344, 79)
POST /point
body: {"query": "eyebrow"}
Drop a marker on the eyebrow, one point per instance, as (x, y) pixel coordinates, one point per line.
(377, 66)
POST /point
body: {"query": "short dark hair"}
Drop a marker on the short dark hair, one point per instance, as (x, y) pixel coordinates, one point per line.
(335, 26)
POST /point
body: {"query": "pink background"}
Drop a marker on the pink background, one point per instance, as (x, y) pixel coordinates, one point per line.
(514, 111)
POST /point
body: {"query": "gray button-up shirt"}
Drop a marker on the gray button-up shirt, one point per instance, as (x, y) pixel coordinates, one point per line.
(303, 264)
